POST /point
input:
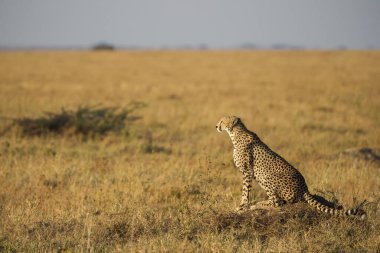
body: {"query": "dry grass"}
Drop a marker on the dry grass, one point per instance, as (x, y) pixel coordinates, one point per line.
(170, 186)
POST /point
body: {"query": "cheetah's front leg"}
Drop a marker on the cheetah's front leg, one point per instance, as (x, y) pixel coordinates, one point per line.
(246, 192)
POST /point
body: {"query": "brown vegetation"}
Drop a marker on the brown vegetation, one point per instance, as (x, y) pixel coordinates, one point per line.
(169, 185)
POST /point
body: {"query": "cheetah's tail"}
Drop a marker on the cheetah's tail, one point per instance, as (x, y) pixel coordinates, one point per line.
(312, 201)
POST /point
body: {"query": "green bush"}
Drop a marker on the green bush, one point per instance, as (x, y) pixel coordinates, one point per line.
(86, 121)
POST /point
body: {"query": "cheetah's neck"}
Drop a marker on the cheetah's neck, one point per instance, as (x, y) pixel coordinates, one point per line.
(240, 134)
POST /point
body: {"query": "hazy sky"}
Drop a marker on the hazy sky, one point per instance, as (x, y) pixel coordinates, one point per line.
(216, 23)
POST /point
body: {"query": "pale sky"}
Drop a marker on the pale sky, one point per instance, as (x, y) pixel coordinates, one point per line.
(176, 23)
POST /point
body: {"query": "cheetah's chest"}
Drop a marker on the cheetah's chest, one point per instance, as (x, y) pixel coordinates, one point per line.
(242, 152)
(242, 159)
(237, 158)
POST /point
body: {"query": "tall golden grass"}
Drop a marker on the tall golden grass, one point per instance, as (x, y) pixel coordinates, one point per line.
(170, 185)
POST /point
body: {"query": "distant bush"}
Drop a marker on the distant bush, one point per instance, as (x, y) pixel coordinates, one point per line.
(103, 46)
(86, 121)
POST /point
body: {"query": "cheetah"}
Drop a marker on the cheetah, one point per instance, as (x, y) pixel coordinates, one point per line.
(282, 182)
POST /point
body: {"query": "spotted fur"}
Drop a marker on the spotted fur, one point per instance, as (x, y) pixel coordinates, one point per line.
(282, 182)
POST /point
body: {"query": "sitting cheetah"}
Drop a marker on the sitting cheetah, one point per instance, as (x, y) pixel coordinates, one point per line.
(282, 182)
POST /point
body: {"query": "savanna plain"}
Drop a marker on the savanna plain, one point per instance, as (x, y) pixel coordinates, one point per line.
(167, 182)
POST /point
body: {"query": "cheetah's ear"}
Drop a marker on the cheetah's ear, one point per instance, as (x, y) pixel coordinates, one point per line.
(236, 120)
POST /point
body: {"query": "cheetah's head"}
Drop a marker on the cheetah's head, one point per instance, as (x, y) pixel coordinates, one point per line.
(227, 123)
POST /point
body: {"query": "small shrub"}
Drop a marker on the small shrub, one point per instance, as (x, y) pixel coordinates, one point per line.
(86, 121)
(150, 147)
(103, 47)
